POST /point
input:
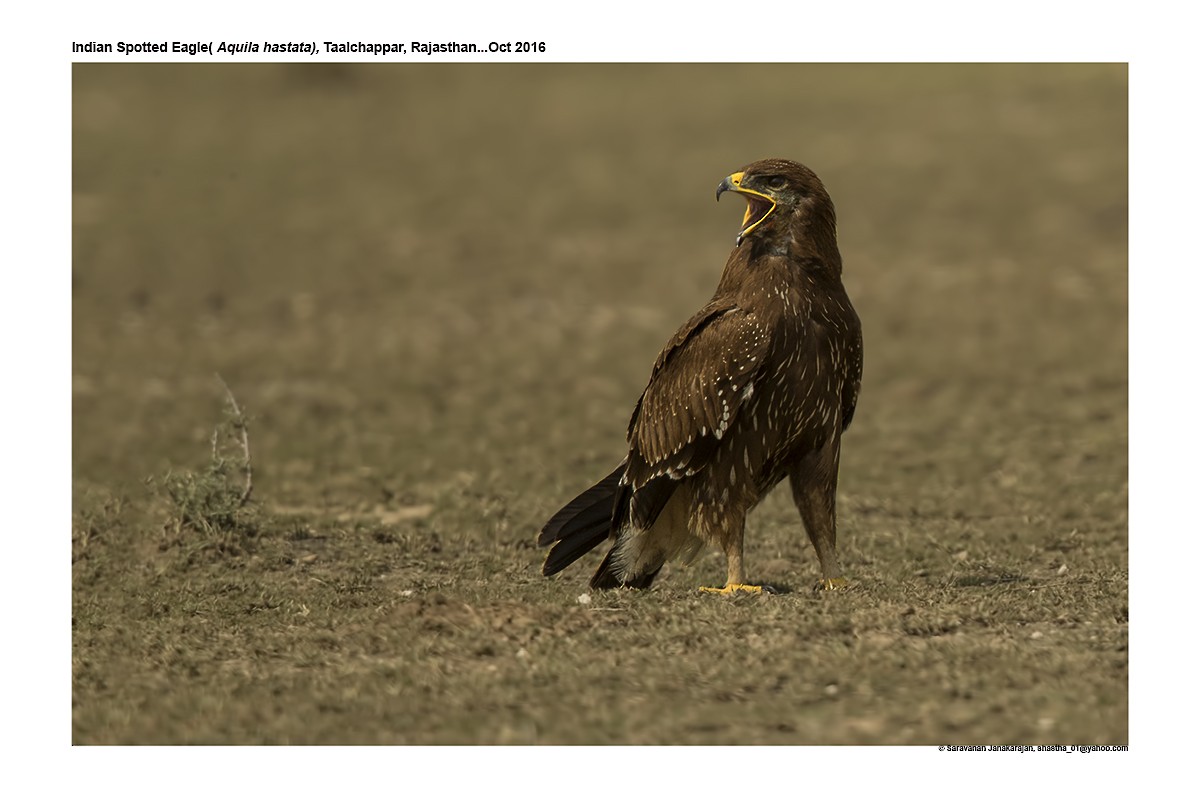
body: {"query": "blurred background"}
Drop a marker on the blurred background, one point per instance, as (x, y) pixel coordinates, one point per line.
(461, 267)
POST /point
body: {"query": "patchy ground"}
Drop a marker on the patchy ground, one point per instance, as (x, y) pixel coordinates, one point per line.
(437, 292)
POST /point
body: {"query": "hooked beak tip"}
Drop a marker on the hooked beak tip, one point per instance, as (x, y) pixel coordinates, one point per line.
(727, 184)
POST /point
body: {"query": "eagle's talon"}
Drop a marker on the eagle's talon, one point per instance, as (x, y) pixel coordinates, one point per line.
(826, 584)
(729, 589)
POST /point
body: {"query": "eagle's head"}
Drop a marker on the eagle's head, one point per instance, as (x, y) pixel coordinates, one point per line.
(782, 197)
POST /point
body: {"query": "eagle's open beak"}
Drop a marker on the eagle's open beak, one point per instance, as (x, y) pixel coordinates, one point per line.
(758, 204)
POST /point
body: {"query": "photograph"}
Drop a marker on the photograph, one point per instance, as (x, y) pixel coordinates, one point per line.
(545, 403)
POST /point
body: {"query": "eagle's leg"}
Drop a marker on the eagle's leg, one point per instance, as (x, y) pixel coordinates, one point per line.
(731, 543)
(814, 490)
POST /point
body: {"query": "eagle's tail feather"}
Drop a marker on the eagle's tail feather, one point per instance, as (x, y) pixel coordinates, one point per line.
(581, 524)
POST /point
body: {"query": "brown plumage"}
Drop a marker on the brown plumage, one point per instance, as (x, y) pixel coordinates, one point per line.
(758, 385)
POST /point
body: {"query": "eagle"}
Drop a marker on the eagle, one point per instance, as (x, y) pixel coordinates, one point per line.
(756, 386)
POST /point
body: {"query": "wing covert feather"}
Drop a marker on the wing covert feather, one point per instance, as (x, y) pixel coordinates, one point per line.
(695, 391)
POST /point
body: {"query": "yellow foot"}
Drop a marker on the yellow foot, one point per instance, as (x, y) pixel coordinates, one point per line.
(832, 583)
(731, 588)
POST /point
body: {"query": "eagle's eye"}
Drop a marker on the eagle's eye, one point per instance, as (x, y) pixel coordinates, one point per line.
(776, 182)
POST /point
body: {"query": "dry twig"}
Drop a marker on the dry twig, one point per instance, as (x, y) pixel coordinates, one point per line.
(239, 422)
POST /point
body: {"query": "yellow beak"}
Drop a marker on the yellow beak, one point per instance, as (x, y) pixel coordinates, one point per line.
(756, 210)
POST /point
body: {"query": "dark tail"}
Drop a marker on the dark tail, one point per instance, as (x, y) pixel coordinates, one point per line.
(581, 524)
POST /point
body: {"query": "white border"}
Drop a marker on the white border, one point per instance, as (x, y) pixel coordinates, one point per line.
(1163, 402)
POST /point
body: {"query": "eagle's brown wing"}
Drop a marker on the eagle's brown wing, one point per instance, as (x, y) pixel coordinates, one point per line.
(697, 386)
